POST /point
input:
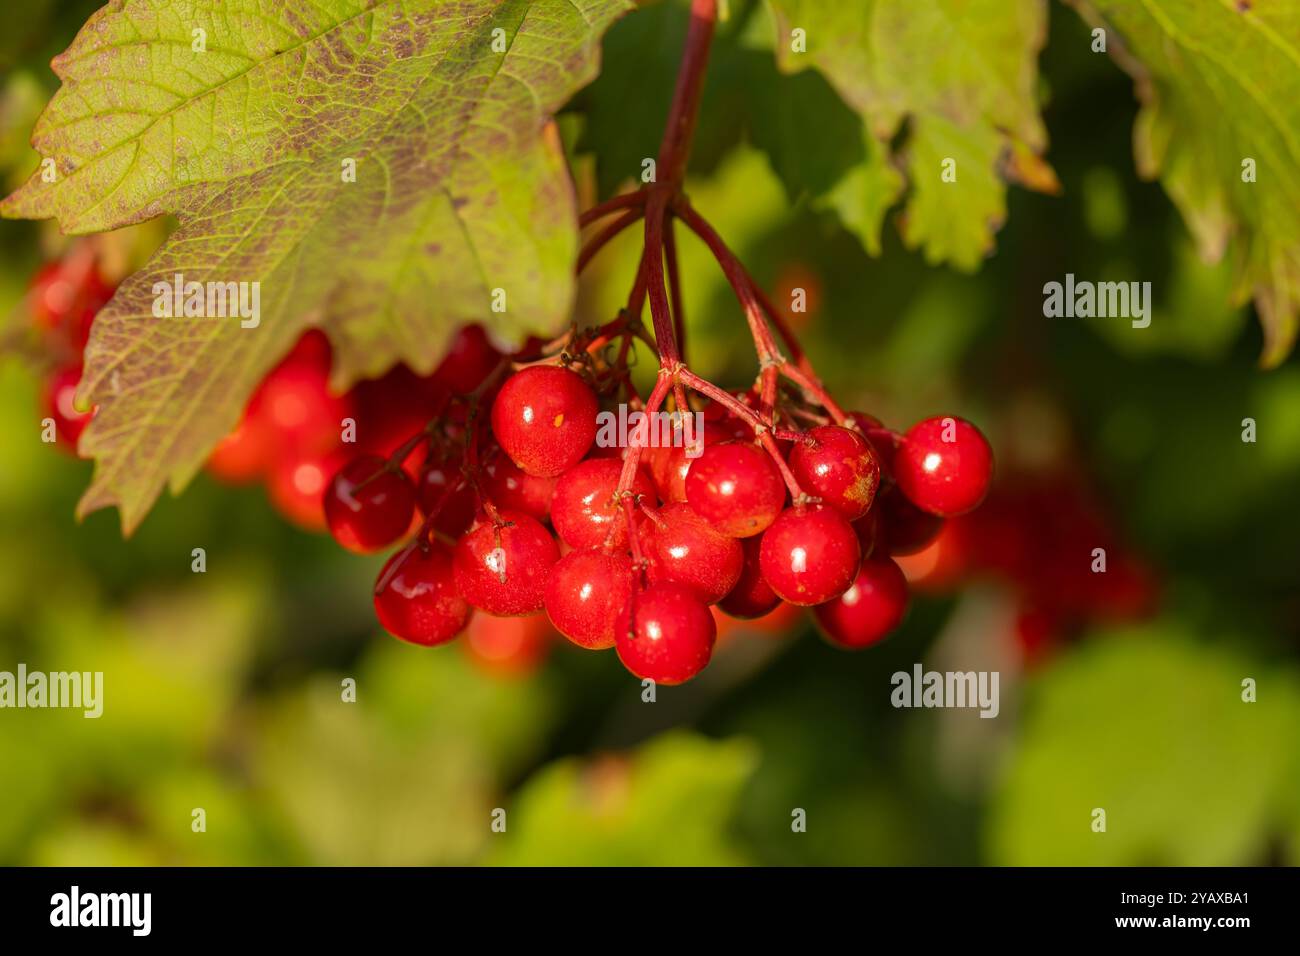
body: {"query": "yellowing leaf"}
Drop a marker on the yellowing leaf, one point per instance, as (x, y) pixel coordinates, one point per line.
(962, 75)
(1220, 85)
(245, 120)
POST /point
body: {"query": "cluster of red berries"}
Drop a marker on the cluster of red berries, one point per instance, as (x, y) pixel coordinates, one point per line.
(1040, 535)
(62, 299)
(295, 433)
(640, 545)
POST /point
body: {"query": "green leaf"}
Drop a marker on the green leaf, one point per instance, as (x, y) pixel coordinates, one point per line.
(961, 76)
(1219, 84)
(408, 773)
(1150, 727)
(460, 189)
(668, 804)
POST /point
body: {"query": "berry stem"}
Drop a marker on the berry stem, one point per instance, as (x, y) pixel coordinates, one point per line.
(675, 288)
(599, 241)
(611, 206)
(762, 430)
(680, 127)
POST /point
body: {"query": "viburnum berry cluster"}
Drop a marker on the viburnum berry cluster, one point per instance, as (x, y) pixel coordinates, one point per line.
(513, 506)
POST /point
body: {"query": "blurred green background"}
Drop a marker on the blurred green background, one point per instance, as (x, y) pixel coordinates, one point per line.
(223, 689)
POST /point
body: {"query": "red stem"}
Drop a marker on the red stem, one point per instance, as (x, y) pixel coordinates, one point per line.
(762, 431)
(605, 235)
(675, 287)
(680, 127)
(738, 278)
(613, 205)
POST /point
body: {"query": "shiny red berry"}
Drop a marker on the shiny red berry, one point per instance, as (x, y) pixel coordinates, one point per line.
(669, 465)
(509, 487)
(944, 465)
(368, 505)
(416, 598)
(585, 593)
(810, 554)
(502, 569)
(752, 597)
(583, 509)
(839, 467)
(683, 547)
(665, 633)
(440, 485)
(869, 610)
(544, 418)
(735, 488)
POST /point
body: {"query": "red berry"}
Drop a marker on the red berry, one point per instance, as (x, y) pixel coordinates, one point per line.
(440, 478)
(665, 634)
(810, 554)
(296, 486)
(508, 646)
(245, 454)
(839, 467)
(545, 419)
(752, 597)
(587, 589)
(867, 529)
(368, 505)
(65, 296)
(508, 487)
(944, 466)
(470, 359)
(503, 570)
(296, 403)
(393, 408)
(869, 610)
(902, 527)
(52, 294)
(670, 465)
(682, 547)
(416, 598)
(735, 488)
(61, 406)
(583, 509)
